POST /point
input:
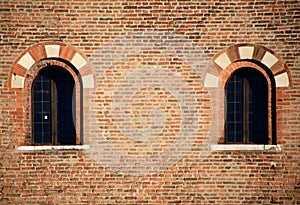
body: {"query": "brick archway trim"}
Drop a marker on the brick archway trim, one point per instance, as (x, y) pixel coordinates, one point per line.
(246, 51)
(50, 50)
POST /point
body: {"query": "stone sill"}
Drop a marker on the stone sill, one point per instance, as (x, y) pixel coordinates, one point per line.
(245, 147)
(217, 147)
(50, 147)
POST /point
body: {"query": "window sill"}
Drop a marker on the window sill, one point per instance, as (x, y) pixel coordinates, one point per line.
(217, 147)
(245, 147)
(50, 147)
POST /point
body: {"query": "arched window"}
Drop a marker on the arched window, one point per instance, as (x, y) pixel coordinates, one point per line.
(53, 103)
(246, 106)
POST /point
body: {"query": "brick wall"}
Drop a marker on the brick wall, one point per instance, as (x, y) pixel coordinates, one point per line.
(191, 177)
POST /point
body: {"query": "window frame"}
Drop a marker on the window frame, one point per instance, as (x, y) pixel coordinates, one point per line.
(267, 73)
(54, 72)
(244, 74)
(68, 67)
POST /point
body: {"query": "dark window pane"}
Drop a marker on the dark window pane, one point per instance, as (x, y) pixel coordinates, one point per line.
(47, 138)
(247, 107)
(47, 95)
(42, 109)
(258, 108)
(38, 117)
(38, 137)
(65, 128)
(37, 106)
(38, 128)
(53, 105)
(37, 95)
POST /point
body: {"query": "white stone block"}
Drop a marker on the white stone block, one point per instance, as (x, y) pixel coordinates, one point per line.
(269, 59)
(52, 51)
(246, 52)
(17, 81)
(223, 60)
(26, 61)
(211, 81)
(282, 80)
(78, 61)
(88, 81)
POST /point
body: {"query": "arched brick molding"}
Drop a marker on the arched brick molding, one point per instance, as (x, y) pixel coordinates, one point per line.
(32, 60)
(224, 63)
(50, 50)
(248, 52)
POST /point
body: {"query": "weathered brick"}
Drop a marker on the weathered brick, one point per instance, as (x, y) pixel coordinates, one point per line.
(72, 176)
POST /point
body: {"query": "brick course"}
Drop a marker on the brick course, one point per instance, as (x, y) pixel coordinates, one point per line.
(83, 27)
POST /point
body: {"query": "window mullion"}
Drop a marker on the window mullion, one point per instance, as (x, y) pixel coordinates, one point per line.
(54, 110)
(245, 110)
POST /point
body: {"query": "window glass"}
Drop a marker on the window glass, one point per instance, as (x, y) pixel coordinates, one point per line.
(246, 107)
(52, 107)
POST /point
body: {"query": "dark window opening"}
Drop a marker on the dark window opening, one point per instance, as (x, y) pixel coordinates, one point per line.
(246, 107)
(53, 106)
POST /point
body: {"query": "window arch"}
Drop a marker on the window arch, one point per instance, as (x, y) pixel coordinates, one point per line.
(31, 61)
(244, 55)
(53, 107)
(246, 107)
